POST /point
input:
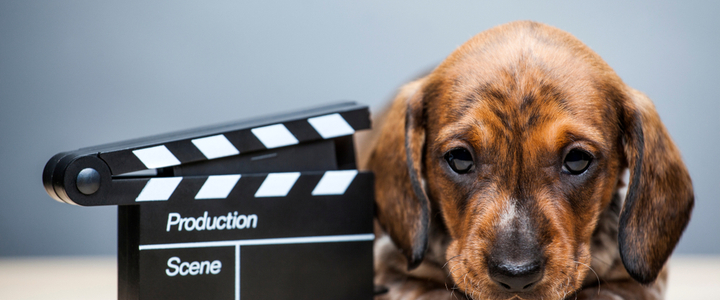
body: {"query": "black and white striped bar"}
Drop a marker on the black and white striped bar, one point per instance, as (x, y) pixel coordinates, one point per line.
(320, 130)
(190, 189)
(274, 185)
(236, 141)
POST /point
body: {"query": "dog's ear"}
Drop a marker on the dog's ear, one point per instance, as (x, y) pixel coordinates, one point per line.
(660, 195)
(402, 205)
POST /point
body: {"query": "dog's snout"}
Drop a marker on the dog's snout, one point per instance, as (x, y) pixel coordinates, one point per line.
(516, 277)
(516, 263)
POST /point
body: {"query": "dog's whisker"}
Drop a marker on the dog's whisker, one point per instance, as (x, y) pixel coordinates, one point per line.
(600, 260)
(596, 274)
(452, 271)
(448, 261)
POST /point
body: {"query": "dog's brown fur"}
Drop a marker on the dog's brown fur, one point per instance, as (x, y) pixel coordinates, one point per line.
(519, 97)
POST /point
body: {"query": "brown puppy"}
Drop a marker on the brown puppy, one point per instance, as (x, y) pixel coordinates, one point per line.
(498, 177)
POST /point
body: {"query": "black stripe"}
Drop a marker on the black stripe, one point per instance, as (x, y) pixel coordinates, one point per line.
(121, 162)
(303, 131)
(185, 151)
(245, 141)
(358, 119)
(187, 189)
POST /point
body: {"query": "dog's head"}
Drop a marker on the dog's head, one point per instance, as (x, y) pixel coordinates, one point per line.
(517, 142)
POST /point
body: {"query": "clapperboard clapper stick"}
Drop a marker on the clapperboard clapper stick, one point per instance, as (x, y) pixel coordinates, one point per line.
(268, 208)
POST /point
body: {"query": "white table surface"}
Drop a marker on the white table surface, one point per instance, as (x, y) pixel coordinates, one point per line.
(78, 278)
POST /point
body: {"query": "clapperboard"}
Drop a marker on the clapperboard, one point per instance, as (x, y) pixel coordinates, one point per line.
(268, 208)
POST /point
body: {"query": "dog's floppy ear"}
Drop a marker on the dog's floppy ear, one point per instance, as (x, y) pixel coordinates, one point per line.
(660, 194)
(402, 205)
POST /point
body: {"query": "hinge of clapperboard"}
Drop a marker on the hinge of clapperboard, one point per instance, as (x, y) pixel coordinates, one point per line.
(150, 169)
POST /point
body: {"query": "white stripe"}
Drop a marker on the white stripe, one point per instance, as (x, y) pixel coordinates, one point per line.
(217, 187)
(159, 189)
(156, 157)
(215, 146)
(334, 182)
(260, 242)
(330, 126)
(277, 184)
(237, 272)
(274, 136)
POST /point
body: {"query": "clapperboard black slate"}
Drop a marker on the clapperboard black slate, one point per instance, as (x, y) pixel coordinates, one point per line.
(269, 208)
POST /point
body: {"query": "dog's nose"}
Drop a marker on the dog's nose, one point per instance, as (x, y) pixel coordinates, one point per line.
(516, 277)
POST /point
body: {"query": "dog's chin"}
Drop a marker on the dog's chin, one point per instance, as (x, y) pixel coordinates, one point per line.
(469, 273)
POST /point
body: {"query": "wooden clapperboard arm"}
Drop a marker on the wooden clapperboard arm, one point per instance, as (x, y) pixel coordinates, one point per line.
(269, 208)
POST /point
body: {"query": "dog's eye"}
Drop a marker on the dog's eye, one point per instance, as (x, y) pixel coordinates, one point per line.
(576, 161)
(460, 160)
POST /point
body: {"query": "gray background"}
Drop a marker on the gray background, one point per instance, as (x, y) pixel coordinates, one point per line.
(81, 73)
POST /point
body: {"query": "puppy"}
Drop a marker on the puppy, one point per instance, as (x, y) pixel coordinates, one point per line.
(499, 176)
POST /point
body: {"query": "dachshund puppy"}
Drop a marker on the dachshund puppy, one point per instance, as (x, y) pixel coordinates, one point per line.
(499, 175)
